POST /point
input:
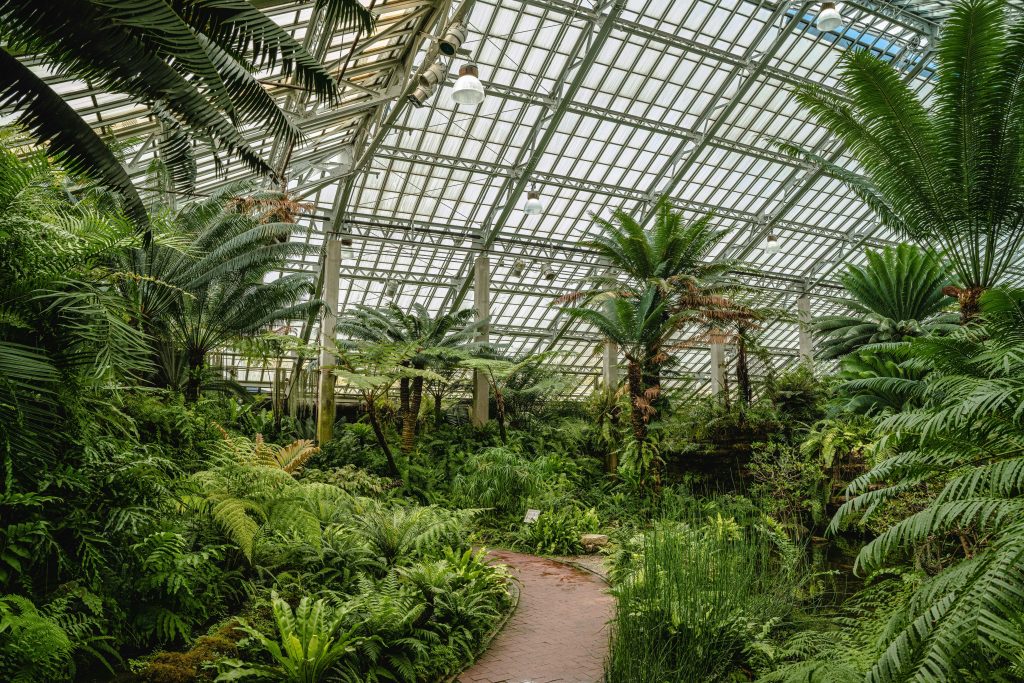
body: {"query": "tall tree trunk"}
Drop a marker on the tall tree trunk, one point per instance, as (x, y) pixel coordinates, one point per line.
(636, 399)
(438, 413)
(371, 412)
(193, 383)
(403, 397)
(410, 418)
(742, 371)
(499, 403)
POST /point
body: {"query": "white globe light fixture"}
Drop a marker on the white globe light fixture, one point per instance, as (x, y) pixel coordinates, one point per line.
(771, 244)
(829, 18)
(468, 88)
(533, 205)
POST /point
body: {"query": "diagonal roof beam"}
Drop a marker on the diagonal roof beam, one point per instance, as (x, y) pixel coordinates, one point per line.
(515, 186)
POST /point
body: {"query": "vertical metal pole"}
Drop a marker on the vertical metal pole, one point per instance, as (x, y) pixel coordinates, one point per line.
(610, 365)
(803, 308)
(717, 367)
(482, 305)
(326, 406)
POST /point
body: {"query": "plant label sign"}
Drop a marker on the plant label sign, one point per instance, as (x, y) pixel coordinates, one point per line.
(531, 516)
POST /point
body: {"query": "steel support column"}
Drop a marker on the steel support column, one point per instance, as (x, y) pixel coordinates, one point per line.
(325, 406)
(803, 308)
(717, 367)
(482, 305)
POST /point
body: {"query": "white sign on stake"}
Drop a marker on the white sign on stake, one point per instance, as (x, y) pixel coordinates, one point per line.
(531, 516)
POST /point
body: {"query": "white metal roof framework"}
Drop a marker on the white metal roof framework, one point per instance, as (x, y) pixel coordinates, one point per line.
(598, 104)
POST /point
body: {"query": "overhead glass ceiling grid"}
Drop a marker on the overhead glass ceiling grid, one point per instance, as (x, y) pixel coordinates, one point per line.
(599, 104)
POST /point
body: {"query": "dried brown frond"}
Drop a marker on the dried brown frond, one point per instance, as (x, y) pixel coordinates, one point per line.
(571, 297)
(281, 209)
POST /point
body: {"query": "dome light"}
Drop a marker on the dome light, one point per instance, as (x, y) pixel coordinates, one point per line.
(771, 244)
(468, 88)
(533, 205)
(829, 18)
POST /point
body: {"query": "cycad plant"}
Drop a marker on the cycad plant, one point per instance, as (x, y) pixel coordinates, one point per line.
(897, 295)
(642, 327)
(947, 175)
(671, 257)
(211, 276)
(961, 437)
(434, 341)
(192, 61)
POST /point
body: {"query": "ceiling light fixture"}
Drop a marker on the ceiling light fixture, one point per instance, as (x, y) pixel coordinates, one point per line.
(548, 273)
(771, 244)
(420, 95)
(432, 76)
(533, 206)
(390, 288)
(453, 38)
(468, 88)
(829, 18)
(518, 267)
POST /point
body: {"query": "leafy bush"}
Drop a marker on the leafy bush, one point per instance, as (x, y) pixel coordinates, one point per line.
(558, 532)
(311, 644)
(33, 647)
(497, 478)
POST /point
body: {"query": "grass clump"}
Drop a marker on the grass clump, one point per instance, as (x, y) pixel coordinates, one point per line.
(692, 599)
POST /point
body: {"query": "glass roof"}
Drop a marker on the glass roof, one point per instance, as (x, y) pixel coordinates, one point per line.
(598, 105)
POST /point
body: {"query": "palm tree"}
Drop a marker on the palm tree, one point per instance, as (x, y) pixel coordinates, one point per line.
(672, 256)
(192, 61)
(201, 284)
(897, 295)
(947, 175)
(960, 433)
(437, 341)
(642, 327)
(499, 373)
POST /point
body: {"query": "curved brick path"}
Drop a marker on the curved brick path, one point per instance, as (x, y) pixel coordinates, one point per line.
(559, 631)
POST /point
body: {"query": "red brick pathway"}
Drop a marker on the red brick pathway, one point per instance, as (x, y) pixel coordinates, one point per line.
(559, 631)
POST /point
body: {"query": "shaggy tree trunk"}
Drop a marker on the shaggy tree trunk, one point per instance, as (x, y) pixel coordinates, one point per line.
(499, 402)
(969, 300)
(742, 372)
(410, 417)
(438, 413)
(636, 400)
(371, 412)
(193, 383)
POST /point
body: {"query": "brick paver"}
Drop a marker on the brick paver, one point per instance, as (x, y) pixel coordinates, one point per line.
(559, 631)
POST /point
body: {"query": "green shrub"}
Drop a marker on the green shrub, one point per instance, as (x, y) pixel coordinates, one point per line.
(33, 648)
(558, 532)
(497, 478)
(311, 644)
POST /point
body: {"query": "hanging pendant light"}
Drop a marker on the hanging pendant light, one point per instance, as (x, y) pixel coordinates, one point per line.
(468, 88)
(548, 273)
(391, 288)
(518, 267)
(771, 244)
(829, 18)
(533, 206)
